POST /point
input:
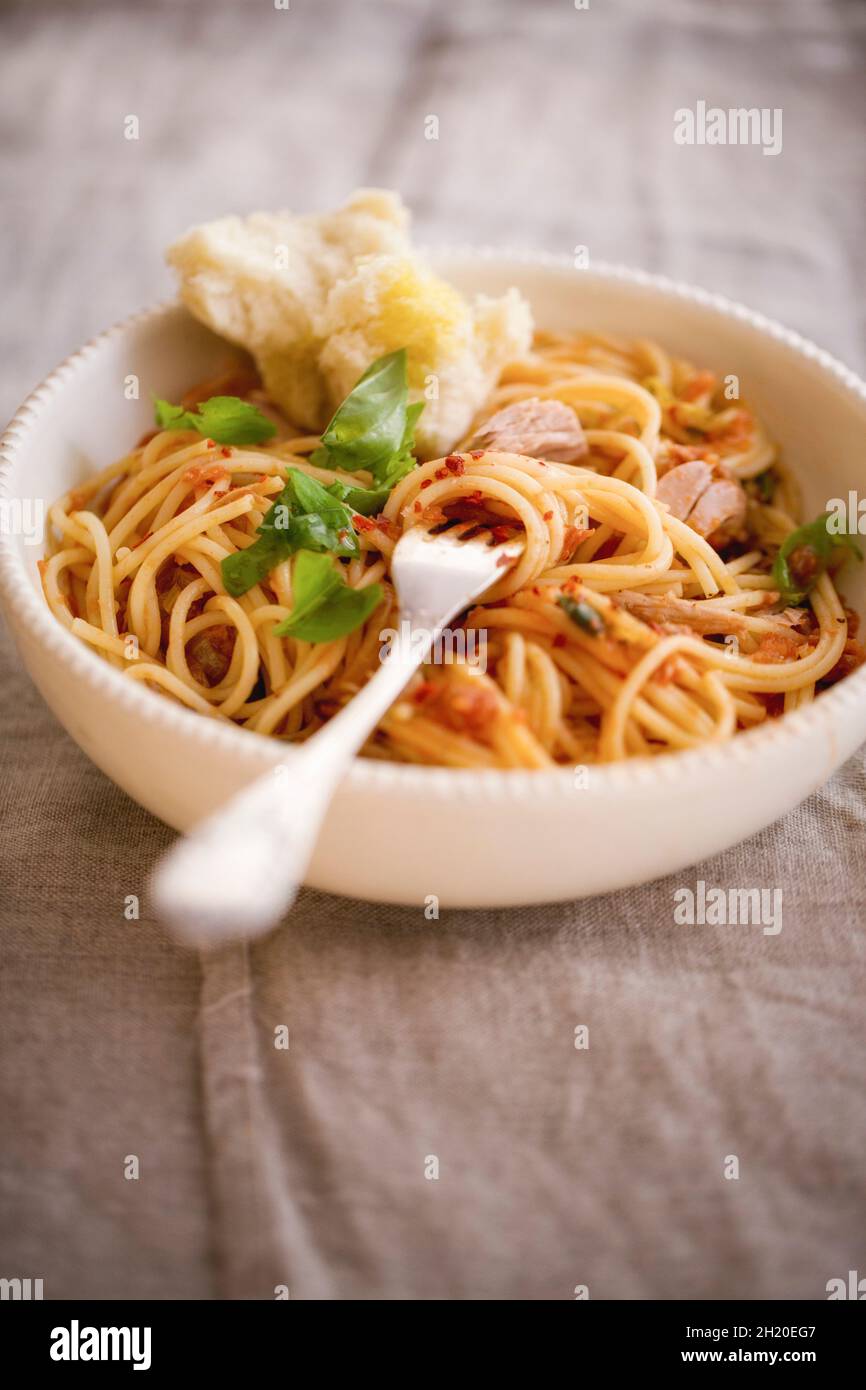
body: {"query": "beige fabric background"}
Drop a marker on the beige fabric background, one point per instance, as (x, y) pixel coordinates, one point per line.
(408, 1038)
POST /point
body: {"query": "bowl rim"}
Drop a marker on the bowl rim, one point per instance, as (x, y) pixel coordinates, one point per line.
(368, 774)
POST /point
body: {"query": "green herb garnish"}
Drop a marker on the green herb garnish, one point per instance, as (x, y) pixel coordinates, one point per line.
(370, 500)
(369, 429)
(587, 618)
(224, 419)
(374, 428)
(324, 605)
(305, 516)
(766, 484)
(366, 500)
(803, 557)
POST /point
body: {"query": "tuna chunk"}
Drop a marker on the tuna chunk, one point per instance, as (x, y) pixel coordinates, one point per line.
(701, 618)
(685, 612)
(681, 487)
(706, 498)
(719, 514)
(547, 430)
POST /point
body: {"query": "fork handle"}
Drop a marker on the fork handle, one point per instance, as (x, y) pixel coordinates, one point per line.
(236, 873)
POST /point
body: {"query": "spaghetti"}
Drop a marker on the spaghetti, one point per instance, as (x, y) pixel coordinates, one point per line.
(622, 631)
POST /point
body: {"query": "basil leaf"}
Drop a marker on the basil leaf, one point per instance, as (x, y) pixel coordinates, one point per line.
(230, 420)
(312, 499)
(407, 443)
(766, 484)
(374, 428)
(369, 428)
(309, 531)
(225, 419)
(172, 417)
(803, 557)
(305, 516)
(245, 568)
(587, 618)
(404, 461)
(366, 500)
(324, 605)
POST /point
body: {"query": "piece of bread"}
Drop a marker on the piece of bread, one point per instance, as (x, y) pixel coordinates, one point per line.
(262, 280)
(455, 349)
(316, 299)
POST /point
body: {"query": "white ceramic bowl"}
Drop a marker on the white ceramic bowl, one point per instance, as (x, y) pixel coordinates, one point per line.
(396, 833)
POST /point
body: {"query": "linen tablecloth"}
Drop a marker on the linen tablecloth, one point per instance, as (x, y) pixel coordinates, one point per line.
(432, 1130)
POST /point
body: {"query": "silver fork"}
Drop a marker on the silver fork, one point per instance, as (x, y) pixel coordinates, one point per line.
(237, 872)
